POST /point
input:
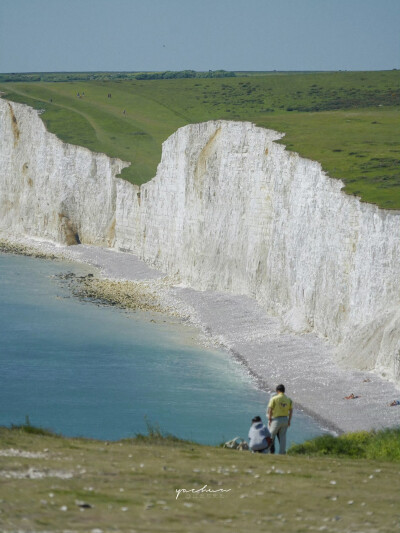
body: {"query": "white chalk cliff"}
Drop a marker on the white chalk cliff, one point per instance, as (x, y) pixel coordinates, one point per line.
(229, 209)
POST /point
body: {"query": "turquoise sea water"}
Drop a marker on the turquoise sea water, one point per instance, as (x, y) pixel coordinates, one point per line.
(85, 370)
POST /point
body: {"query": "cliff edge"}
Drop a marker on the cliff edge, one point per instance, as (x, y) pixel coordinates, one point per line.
(229, 209)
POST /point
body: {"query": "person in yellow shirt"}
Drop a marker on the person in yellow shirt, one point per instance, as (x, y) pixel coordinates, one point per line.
(280, 410)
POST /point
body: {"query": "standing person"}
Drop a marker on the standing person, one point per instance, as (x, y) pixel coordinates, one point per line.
(259, 436)
(280, 410)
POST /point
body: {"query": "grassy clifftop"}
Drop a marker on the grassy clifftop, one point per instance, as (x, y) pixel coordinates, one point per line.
(51, 483)
(348, 121)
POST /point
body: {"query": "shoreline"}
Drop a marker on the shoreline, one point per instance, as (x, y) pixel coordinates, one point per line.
(238, 324)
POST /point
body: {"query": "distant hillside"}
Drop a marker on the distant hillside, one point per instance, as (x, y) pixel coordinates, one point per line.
(86, 76)
(348, 121)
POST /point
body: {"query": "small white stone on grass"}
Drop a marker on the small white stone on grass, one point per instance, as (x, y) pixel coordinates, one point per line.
(187, 504)
(63, 508)
(333, 482)
(124, 509)
(350, 502)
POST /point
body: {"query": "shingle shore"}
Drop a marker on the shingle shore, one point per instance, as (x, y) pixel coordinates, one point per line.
(305, 363)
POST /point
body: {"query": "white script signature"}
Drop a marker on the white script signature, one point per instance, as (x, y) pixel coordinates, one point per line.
(198, 491)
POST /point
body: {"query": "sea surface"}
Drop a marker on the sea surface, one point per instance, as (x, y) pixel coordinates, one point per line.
(86, 370)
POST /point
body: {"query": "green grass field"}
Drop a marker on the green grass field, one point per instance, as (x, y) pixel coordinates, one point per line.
(131, 486)
(348, 121)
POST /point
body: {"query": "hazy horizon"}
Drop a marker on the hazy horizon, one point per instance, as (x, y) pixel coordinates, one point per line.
(160, 35)
(206, 70)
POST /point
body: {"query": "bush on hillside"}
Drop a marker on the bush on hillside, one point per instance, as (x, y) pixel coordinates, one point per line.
(33, 430)
(384, 444)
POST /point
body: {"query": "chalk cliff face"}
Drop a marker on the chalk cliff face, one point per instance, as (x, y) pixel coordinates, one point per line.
(50, 189)
(229, 209)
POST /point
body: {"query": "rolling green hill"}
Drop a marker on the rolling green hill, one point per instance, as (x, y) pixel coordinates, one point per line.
(348, 121)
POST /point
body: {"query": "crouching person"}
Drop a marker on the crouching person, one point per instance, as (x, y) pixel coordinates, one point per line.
(259, 436)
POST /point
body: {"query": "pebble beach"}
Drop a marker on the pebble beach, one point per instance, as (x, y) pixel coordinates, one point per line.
(304, 363)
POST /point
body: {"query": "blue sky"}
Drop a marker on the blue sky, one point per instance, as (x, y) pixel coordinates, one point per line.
(132, 35)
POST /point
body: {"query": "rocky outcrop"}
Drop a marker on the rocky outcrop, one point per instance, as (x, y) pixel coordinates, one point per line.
(229, 209)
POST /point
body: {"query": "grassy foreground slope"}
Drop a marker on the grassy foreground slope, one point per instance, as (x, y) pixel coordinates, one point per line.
(50, 483)
(348, 121)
